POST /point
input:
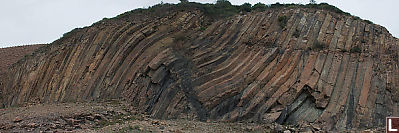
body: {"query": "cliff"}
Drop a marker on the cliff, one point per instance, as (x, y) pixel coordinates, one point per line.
(12, 55)
(285, 65)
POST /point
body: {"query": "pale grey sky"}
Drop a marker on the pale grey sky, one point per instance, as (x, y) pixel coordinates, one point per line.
(43, 21)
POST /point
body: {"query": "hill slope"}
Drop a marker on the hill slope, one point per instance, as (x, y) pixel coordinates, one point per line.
(285, 65)
(11, 55)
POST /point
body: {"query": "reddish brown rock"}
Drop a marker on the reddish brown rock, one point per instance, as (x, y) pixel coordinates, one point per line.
(242, 68)
(11, 55)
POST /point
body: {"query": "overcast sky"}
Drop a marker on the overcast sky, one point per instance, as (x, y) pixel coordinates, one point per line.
(43, 21)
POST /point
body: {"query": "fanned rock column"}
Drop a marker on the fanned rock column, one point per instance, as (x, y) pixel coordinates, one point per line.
(322, 69)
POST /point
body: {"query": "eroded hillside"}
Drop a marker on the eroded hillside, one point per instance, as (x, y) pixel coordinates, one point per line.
(285, 65)
(11, 55)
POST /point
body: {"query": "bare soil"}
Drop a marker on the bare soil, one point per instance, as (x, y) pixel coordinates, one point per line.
(111, 116)
(118, 116)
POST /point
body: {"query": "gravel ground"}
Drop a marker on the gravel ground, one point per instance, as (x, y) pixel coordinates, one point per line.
(111, 116)
(116, 116)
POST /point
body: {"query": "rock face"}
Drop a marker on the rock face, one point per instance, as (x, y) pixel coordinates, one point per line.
(328, 70)
(11, 55)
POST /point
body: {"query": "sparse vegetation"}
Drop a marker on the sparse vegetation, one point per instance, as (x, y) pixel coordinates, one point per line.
(312, 1)
(10, 56)
(136, 127)
(278, 5)
(183, 1)
(179, 38)
(249, 41)
(318, 45)
(296, 33)
(104, 19)
(325, 6)
(118, 118)
(282, 21)
(368, 21)
(394, 56)
(113, 101)
(223, 8)
(355, 49)
(246, 7)
(202, 29)
(259, 7)
(218, 10)
(363, 41)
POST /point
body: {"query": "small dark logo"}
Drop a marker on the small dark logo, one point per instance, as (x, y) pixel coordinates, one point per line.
(392, 124)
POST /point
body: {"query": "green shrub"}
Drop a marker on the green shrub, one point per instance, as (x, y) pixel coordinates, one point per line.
(318, 45)
(202, 29)
(277, 5)
(326, 6)
(104, 19)
(355, 49)
(356, 17)
(394, 56)
(363, 41)
(246, 7)
(283, 21)
(222, 8)
(250, 41)
(296, 33)
(183, 1)
(369, 22)
(259, 7)
(223, 3)
(180, 37)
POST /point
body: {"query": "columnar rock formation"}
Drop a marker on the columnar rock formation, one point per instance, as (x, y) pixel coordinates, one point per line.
(11, 55)
(323, 68)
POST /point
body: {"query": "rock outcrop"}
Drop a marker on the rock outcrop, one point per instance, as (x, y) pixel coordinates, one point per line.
(325, 69)
(11, 55)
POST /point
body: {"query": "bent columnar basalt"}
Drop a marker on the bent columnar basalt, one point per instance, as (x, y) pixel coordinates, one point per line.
(242, 68)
